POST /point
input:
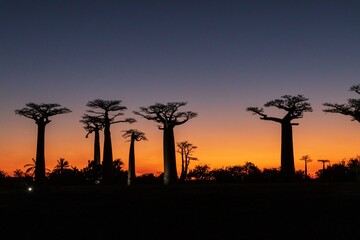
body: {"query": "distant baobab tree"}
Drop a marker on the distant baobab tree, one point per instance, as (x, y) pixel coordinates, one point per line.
(41, 113)
(306, 159)
(351, 108)
(294, 106)
(185, 149)
(134, 135)
(323, 163)
(93, 124)
(103, 109)
(169, 117)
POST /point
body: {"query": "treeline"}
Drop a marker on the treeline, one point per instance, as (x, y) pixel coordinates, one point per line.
(65, 175)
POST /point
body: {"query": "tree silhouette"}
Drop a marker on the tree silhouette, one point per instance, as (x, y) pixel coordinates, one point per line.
(103, 109)
(323, 163)
(351, 108)
(306, 159)
(295, 106)
(169, 117)
(134, 135)
(93, 124)
(61, 165)
(30, 168)
(185, 149)
(41, 113)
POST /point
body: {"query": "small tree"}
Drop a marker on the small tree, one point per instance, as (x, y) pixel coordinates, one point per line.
(102, 109)
(351, 108)
(200, 173)
(41, 113)
(186, 150)
(323, 161)
(169, 117)
(294, 106)
(306, 159)
(134, 135)
(61, 166)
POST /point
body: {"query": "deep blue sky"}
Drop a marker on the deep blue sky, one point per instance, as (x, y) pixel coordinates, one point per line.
(220, 56)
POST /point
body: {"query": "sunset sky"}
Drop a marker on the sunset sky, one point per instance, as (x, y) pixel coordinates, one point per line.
(219, 56)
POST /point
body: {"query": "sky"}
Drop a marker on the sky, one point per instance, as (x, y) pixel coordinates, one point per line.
(218, 56)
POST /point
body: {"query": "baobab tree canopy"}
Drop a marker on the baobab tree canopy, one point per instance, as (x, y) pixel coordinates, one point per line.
(103, 107)
(41, 112)
(351, 108)
(134, 134)
(166, 114)
(92, 123)
(295, 106)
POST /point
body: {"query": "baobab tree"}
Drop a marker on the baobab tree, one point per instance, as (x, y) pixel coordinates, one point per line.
(323, 161)
(295, 106)
(351, 108)
(306, 159)
(134, 135)
(93, 124)
(108, 111)
(169, 117)
(185, 149)
(41, 113)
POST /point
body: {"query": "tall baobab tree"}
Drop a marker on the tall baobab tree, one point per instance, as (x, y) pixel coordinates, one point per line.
(134, 135)
(323, 161)
(306, 159)
(294, 106)
(93, 124)
(186, 150)
(41, 113)
(351, 108)
(169, 117)
(107, 111)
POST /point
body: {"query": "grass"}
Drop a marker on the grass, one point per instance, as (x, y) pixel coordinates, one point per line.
(192, 211)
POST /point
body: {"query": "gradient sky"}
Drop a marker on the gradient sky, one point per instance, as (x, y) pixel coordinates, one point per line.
(219, 56)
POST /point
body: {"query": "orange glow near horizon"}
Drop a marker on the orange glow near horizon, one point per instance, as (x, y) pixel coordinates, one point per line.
(228, 144)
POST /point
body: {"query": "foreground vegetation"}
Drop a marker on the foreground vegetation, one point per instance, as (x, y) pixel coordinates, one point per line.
(311, 210)
(65, 175)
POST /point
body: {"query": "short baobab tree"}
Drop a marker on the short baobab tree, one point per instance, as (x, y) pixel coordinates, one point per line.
(185, 149)
(135, 136)
(93, 124)
(294, 106)
(108, 111)
(169, 117)
(323, 161)
(306, 159)
(351, 108)
(41, 113)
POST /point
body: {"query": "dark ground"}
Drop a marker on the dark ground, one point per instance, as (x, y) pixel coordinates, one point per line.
(198, 211)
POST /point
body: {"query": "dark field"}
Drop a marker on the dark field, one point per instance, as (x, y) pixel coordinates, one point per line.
(198, 211)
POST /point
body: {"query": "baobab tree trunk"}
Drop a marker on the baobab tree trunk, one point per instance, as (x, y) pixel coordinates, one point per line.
(97, 147)
(108, 172)
(131, 170)
(182, 175)
(170, 174)
(287, 151)
(40, 156)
